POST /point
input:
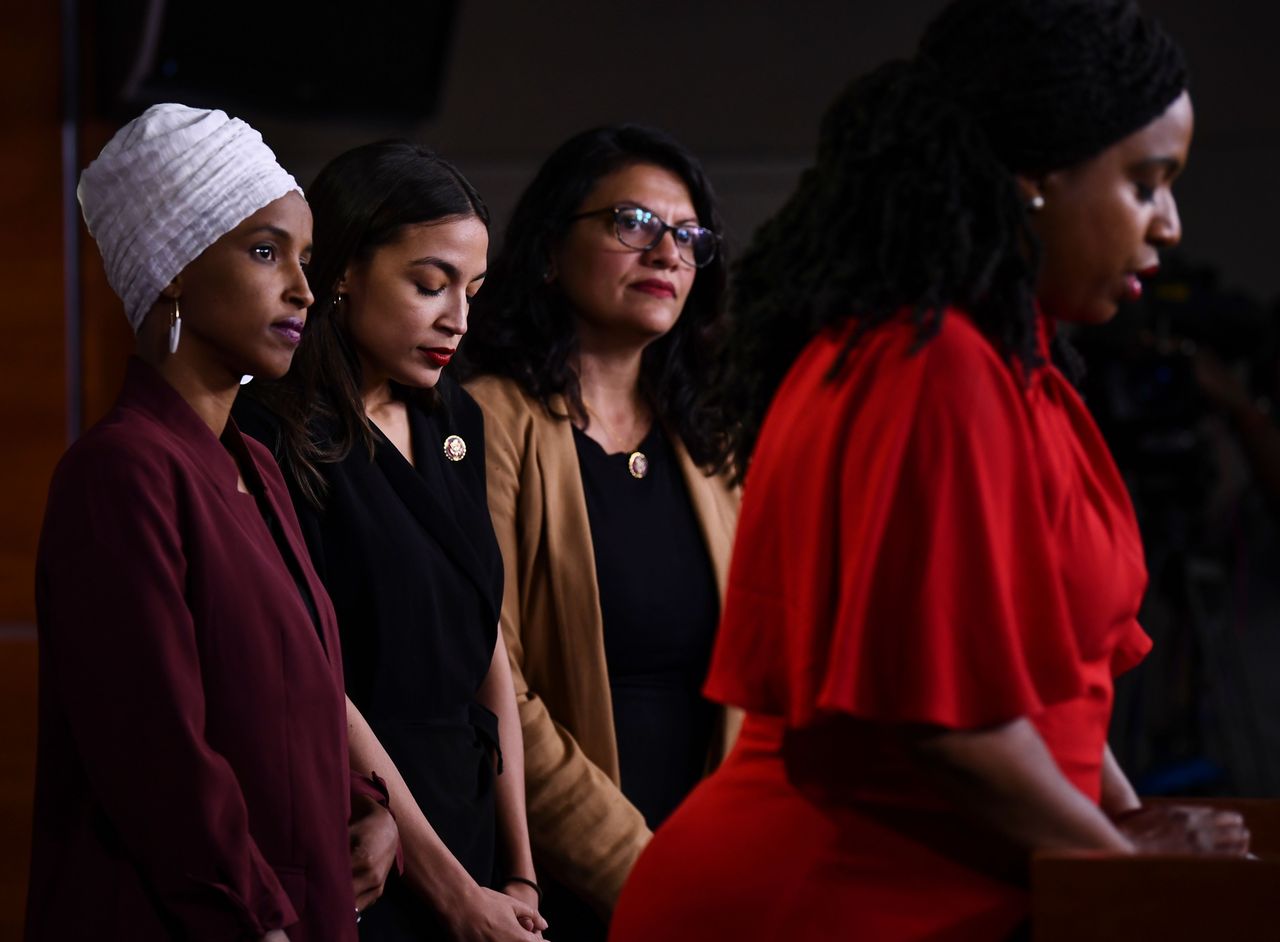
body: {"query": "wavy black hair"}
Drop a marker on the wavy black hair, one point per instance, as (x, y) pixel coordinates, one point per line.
(360, 201)
(521, 326)
(912, 205)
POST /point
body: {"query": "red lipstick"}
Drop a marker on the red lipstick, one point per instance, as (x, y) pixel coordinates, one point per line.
(655, 287)
(1133, 282)
(438, 357)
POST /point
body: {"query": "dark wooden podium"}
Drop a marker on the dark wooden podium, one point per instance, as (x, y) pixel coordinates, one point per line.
(1100, 898)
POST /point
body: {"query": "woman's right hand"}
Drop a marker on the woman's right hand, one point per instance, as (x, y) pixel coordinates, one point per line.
(1185, 829)
(489, 916)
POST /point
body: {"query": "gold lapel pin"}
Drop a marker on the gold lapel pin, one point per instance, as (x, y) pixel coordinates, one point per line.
(455, 449)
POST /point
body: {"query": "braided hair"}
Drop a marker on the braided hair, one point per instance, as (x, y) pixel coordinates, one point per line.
(912, 206)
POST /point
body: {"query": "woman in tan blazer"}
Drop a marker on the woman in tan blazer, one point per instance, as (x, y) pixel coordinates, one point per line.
(591, 352)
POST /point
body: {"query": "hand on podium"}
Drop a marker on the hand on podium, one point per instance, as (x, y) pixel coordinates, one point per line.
(1185, 829)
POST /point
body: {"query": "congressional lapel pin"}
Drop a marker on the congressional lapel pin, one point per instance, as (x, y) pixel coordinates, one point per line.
(455, 449)
(638, 464)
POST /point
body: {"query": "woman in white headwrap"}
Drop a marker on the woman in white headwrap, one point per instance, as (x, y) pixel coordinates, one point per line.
(192, 779)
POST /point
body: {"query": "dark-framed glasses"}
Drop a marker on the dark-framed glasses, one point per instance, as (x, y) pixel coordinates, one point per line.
(638, 228)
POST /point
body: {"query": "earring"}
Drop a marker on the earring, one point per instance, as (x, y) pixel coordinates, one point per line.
(175, 327)
(1035, 204)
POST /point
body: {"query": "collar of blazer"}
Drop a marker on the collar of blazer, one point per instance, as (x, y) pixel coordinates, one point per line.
(220, 461)
(438, 513)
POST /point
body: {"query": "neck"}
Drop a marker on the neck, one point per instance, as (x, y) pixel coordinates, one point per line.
(610, 382)
(207, 387)
(375, 390)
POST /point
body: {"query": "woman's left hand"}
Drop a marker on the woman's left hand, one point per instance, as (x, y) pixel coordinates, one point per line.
(1185, 829)
(527, 895)
(374, 841)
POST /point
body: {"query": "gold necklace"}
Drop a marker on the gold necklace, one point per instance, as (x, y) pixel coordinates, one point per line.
(637, 461)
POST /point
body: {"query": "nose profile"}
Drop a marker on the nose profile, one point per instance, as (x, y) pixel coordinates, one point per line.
(299, 290)
(1166, 226)
(454, 319)
(664, 254)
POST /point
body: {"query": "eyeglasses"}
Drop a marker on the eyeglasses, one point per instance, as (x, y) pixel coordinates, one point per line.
(637, 228)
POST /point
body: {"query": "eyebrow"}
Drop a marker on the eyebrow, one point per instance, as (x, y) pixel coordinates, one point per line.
(450, 270)
(280, 234)
(1170, 165)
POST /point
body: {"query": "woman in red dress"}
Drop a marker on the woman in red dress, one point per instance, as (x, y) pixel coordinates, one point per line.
(937, 568)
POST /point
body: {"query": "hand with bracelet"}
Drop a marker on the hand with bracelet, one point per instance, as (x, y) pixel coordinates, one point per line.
(529, 893)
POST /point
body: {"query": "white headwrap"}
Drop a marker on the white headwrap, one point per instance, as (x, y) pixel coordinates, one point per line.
(166, 187)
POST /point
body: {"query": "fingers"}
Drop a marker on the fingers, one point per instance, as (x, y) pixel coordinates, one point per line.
(1223, 832)
(523, 933)
(367, 882)
(511, 919)
(530, 924)
(1159, 829)
(368, 890)
(1187, 829)
(528, 916)
(528, 899)
(373, 840)
(1216, 832)
(365, 875)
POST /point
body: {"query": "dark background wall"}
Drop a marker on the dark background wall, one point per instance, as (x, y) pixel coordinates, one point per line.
(742, 83)
(32, 400)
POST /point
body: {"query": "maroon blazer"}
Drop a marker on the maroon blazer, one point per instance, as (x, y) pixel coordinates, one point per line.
(192, 777)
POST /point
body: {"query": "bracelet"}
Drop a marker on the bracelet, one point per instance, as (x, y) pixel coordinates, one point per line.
(527, 882)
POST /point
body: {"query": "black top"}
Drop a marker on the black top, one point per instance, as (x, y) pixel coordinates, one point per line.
(409, 557)
(660, 607)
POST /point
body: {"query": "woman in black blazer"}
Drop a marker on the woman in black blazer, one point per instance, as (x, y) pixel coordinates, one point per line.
(385, 460)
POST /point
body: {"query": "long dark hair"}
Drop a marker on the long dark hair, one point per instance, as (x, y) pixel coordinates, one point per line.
(361, 200)
(521, 326)
(912, 205)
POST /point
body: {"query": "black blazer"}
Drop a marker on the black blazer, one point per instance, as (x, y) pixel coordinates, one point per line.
(409, 557)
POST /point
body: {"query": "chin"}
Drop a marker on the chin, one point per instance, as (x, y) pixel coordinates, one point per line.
(653, 328)
(1083, 311)
(270, 367)
(1100, 313)
(656, 318)
(419, 377)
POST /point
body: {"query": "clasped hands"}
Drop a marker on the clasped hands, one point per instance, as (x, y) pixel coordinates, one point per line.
(374, 841)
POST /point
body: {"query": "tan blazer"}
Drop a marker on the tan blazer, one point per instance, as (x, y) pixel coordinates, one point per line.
(584, 832)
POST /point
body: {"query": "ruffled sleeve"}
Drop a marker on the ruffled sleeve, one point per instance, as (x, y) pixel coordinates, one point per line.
(894, 558)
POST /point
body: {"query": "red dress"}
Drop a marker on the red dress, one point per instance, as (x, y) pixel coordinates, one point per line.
(927, 539)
